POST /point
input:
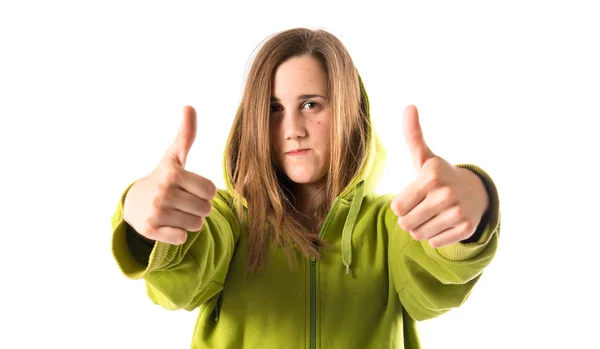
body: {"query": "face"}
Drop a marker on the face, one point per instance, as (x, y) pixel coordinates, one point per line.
(300, 120)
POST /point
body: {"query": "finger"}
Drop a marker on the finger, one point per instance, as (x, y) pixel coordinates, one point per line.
(182, 220)
(435, 202)
(178, 151)
(170, 235)
(181, 200)
(449, 236)
(437, 224)
(409, 198)
(413, 135)
(197, 185)
(177, 219)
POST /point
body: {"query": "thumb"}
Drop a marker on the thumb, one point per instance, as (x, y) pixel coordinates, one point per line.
(413, 135)
(185, 138)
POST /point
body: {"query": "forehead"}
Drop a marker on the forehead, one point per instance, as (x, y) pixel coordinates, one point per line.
(299, 75)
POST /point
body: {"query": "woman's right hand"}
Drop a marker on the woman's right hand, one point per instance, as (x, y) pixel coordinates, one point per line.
(170, 201)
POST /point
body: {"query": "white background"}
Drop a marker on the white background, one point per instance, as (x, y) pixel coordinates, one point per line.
(91, 95)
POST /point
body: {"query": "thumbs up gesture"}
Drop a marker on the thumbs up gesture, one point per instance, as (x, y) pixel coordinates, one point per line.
(445, 203)
(170, 201)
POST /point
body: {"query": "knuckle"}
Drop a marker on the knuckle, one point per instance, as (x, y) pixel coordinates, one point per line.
(469, 227)
(459, 213)
(162, 184)
(149, 221)
(435, 243)
(171, 176)
(212, 189)
(149, 232)
(156, 214)
(402, 223)
(408, 225)
(192, 224)
(197, 224)
(164, 238)
(179, 237)
(434, 179)
(416, 235)
(208, 209)
(168, 197)
(157, 202)
(399, 207)
(447, 195)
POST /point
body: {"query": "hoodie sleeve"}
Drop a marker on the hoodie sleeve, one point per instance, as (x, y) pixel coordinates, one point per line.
(431, 281)
(179, 276)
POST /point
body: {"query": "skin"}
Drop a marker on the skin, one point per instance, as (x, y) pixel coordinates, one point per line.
(170, 201)
(445, 203)
(301, 122)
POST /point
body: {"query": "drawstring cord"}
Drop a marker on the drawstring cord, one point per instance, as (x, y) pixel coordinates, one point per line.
(349, 225)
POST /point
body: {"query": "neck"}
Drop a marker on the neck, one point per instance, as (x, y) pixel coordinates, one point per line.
(305, 194)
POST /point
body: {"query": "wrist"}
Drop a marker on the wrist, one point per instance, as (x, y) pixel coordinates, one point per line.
(479, 188)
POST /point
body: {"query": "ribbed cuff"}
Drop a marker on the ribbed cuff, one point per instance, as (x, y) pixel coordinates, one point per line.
(160, 257)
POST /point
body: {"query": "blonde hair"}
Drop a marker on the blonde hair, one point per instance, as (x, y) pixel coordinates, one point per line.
(271, 215)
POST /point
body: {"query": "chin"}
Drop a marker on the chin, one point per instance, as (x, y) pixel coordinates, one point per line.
(303, 177)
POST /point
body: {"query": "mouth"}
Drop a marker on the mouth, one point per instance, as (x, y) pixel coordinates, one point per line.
(297, 152)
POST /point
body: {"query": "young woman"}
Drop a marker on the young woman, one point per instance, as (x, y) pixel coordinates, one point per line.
(298, 251)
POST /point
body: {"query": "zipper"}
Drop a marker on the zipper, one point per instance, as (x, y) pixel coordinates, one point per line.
(313, 285)
(313, 303)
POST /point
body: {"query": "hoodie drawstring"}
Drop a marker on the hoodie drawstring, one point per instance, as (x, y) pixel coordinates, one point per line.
(349, 225)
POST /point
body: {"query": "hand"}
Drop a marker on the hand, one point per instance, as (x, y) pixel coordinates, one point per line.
(445, 203)
(170, 201)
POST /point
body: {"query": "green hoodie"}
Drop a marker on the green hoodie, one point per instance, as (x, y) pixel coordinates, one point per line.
(367, 291)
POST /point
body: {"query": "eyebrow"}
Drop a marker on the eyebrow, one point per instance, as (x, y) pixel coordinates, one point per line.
(275, 99)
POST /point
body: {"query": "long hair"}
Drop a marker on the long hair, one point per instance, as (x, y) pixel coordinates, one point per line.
(271, 214)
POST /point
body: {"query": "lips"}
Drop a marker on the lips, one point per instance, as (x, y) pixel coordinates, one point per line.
(298, 151)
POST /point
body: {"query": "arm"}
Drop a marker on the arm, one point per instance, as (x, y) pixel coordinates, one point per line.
(430, 281)
(179, 276)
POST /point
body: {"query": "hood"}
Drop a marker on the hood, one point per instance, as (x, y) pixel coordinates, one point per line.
(364, 183)
(360, 186)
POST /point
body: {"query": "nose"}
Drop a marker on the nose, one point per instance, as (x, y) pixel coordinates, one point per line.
(293, 125)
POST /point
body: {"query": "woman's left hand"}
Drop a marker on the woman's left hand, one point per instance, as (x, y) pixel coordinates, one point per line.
(445, 203)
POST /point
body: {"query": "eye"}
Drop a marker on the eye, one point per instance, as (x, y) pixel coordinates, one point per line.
(311, 103)
(275, 108)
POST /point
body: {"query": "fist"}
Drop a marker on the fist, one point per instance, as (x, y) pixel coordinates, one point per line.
(445, 203)
(171, 201)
